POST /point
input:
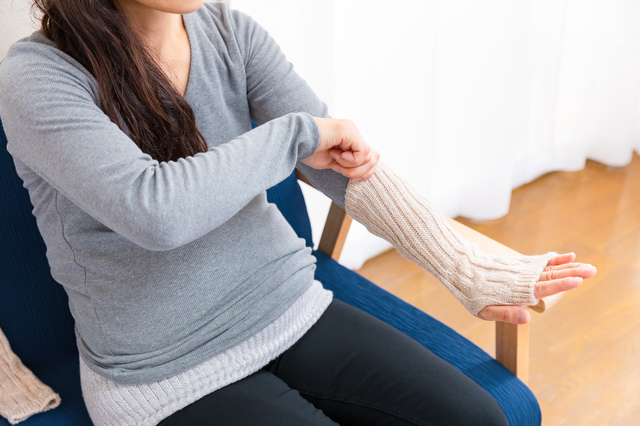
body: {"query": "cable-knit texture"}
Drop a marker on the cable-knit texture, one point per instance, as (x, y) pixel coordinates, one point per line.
(391, 209)
(21, 393)
(110, 403)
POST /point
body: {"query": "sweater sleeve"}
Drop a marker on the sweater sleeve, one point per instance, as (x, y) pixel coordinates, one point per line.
(275, 89)
(51, 115)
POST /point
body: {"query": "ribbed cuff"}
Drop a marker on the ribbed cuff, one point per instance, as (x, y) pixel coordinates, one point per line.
(509, 281)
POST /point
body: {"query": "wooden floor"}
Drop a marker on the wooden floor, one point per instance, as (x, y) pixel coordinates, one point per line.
(585, 352)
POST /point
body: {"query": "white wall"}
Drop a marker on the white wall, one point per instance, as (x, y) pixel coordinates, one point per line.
(15, 23)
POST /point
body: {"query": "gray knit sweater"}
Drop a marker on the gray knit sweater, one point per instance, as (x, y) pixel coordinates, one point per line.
(168, 264)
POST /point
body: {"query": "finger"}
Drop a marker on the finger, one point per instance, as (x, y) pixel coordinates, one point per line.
(350, 157)
(510, 314)
(368, 175)
(355, 172)
(565, 266)
(354, 142)
(562, 259)
(549, 288)
(356, 156)
(583, 271)
(360, 172)
(347, 159)
(374, 160)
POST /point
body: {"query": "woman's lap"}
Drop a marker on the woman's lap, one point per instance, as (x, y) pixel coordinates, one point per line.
(260, 399)
(357, 370)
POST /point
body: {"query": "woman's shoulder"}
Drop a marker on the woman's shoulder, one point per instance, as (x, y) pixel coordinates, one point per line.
(231, 25)
(35, 58)
(36, 49)
(225, 18)
(222, 13)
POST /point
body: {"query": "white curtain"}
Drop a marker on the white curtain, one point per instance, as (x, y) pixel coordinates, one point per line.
(469, 99)
(15, 22)
(466, 98)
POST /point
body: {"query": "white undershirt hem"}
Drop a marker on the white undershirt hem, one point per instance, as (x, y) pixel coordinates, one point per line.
(110, 403)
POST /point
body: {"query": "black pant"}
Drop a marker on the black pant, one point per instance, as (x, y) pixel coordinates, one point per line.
(352, 369)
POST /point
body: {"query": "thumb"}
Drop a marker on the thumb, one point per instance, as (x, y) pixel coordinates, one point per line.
(508, 314)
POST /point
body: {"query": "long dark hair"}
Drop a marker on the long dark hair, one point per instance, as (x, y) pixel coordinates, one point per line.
(132, 86)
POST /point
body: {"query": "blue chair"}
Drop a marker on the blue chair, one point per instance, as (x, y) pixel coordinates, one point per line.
(35, 317)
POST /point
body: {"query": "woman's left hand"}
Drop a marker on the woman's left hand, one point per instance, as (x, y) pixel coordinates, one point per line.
(561, 274)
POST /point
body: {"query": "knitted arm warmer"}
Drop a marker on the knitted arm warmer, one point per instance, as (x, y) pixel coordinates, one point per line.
(21, 393)
(391, 209)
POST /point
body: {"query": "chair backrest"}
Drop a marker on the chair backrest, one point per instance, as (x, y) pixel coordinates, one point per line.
(34, 312)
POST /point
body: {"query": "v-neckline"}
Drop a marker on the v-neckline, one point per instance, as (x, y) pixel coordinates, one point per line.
(187, 29)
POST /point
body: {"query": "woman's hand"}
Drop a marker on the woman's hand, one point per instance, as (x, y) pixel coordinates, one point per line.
(559, 275)
(343, 149)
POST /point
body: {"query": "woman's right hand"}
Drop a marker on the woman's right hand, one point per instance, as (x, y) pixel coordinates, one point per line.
(343, 149)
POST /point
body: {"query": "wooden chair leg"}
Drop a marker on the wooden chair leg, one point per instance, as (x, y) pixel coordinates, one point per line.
(512, 348)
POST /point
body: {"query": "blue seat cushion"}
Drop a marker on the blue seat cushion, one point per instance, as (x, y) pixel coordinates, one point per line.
(515, 398)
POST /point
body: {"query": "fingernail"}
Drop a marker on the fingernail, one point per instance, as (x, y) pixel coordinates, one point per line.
(520, 316)
(356, 179)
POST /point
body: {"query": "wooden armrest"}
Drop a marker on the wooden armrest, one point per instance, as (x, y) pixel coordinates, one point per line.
(303, 178)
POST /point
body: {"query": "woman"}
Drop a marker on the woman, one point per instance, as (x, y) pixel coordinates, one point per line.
(194, 301)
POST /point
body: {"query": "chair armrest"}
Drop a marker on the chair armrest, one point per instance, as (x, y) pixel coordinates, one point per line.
(303, 178)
